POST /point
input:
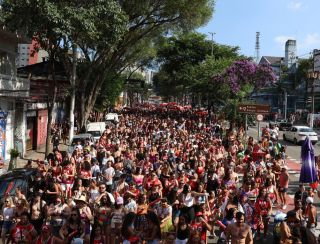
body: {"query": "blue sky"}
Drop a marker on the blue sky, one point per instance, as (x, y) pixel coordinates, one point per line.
(236, 22)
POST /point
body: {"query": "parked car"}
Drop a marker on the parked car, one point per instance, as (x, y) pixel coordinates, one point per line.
(96, 129)
(297, 134)
(283, 126)
(21, 177)
(82, 138)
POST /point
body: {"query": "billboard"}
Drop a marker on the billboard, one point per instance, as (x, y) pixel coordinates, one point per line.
(316, 58)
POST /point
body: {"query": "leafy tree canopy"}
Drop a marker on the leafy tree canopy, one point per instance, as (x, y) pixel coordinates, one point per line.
(111, 34)
(186, 63)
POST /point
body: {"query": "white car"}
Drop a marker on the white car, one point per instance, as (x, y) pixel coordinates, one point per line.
(298, 134)
(96, 129)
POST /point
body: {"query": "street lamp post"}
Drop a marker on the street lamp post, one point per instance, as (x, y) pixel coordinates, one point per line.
(212, 33)
(312, 75)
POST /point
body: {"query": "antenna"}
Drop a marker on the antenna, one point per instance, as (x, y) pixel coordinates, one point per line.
(257, 52)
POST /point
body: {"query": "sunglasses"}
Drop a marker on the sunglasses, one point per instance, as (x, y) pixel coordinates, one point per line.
(6, 201)
(74, 214)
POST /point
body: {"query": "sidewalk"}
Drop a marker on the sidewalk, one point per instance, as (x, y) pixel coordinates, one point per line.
(36, 154)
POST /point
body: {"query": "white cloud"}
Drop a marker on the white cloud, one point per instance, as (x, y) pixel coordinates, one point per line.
(295, 6)
(311, 41)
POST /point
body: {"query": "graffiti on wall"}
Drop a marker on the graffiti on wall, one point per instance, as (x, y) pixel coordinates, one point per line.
(3, 124)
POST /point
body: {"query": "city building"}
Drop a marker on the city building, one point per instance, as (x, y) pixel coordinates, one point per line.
(28, 55)
(283, 96)
(14, 91)
(41, 89)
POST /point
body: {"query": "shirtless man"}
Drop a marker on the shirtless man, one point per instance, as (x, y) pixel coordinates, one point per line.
(311, 215)
(239, 232)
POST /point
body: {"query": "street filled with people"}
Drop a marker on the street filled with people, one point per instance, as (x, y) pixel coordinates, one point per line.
(162, 177)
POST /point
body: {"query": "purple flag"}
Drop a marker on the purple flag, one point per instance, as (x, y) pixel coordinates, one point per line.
(308, 173)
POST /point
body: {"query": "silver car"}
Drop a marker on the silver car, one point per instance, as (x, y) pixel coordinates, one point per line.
(297, 134)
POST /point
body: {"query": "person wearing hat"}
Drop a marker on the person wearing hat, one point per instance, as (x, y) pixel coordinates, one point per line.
(116, 219)
(288, 226)
(311, 216)
(85, 213)
(199, 227)
(239, 232)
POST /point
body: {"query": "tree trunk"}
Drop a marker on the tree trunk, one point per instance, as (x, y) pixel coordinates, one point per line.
(82, 116)
(50, 103)
(73, 91)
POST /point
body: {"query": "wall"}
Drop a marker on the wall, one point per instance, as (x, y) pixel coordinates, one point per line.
(20, 128)
(42, 120)
(8, 105)
(13, 86)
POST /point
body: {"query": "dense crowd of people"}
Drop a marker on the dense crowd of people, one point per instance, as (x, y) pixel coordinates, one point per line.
(155, 178)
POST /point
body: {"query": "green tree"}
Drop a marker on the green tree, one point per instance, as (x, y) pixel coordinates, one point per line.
(187, 65)
(58, 25)
(111, 34)
(147, 21)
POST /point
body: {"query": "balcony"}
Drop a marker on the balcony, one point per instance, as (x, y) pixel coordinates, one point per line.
(13, 86)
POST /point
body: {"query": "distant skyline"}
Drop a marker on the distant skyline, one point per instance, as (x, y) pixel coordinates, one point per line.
(236, 22)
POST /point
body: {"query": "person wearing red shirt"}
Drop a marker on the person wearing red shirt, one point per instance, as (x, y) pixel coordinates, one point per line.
(46, 236)
(153, 181)
(263, 208)
(199, 228)
(24, 230)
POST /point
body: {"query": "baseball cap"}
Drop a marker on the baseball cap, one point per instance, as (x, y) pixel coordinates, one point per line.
(309, 200)
(119, 200)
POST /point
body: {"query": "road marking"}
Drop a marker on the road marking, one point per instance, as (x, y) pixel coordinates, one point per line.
(293, 160)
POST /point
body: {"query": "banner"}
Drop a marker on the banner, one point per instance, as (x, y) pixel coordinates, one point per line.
(3, 123)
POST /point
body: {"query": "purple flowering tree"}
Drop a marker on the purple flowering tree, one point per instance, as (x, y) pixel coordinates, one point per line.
(241, 78)
(244, 72)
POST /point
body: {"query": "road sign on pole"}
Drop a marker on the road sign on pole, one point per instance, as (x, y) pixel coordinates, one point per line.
(253, 109)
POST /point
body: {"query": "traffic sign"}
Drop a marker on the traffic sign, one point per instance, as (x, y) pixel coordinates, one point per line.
(259, 117)
(253, 109)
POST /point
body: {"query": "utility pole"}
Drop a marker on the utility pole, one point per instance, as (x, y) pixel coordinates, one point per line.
(73, 91)
(212, 33)
(285, 104)
(257, 48)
